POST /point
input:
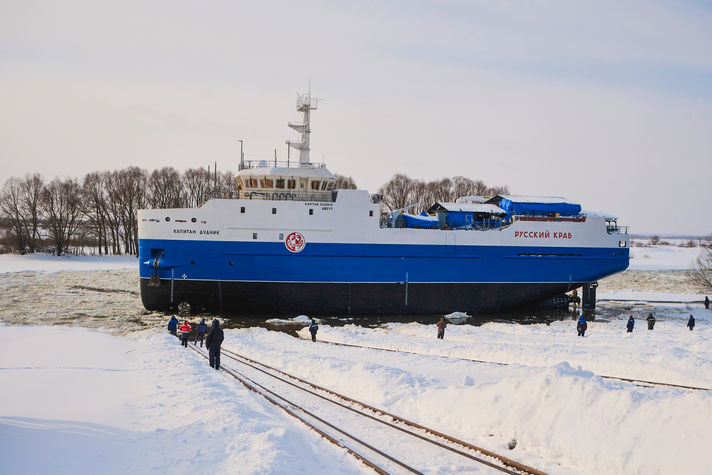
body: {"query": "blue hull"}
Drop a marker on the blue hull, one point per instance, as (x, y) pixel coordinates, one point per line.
(265, 278)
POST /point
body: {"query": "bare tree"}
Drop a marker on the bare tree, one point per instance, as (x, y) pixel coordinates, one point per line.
(31, 187)
(344, 182)
(226, 187)
(399, 192)
(462, 186)
(165, 189)
(127, 190)
(11, 209)
(94, 198)
(61, 205)
(701, 273)
(197, 186)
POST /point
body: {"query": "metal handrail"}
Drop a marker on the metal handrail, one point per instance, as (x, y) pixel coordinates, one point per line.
(248, 164)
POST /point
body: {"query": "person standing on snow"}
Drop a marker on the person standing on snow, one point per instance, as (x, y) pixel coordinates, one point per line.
(313, 328)
(707, 302)
(185, 333)
(441, 327)
(200, 332)
(651, 321)
(173, 325)
(581, 325)
(212, 343)
(691, 322)
(631, 323)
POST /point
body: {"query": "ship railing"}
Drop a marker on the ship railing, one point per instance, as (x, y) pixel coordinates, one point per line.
(615, 229)
(247, 164)
(289, 195)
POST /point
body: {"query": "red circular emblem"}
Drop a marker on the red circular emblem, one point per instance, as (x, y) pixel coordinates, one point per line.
(295, 242)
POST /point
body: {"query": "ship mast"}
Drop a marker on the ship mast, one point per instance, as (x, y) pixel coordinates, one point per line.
(305, 104)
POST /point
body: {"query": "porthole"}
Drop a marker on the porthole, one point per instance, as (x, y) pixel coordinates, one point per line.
(254, 235)
(274, 210)
(230, 263)
(192, 220)
(311, 211)
(370, 213)
(242, 209)
(168, 218)
(192, 262)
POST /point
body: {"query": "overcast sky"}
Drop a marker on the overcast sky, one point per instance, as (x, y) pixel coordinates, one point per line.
(607, 103)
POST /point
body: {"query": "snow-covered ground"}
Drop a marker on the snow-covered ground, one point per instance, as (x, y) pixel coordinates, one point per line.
(48, 263)
(76, 400)
(663, 257)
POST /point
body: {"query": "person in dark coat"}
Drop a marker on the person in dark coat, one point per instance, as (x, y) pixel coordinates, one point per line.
(441, 327)
(200, 332)
(173, 325)
(581, 325)
(651, 321)
(707, 302)
(631, 323)
(184, 333)
(212, 343)
(313, 328)
(691, 322)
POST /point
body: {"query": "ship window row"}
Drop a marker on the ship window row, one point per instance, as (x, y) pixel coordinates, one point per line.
(286, 184)
(536, 254)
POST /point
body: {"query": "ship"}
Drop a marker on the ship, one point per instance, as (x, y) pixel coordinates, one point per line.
(288, 242)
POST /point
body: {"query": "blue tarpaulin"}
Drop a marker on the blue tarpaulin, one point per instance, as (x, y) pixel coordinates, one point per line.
(423, 220)
(533, 208)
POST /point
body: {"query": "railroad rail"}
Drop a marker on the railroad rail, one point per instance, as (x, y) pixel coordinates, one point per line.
(639, 382)
(397, 444)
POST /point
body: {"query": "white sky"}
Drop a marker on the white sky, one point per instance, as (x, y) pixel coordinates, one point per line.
(607, 103)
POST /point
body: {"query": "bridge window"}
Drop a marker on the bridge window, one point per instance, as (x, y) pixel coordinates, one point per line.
(315, 185)
(280, 183)
(291, 184)
(266, 183)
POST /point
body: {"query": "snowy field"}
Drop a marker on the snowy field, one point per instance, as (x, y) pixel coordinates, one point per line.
(96, 385)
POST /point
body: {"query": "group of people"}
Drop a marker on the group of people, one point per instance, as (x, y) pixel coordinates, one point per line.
(213, 338)
(651, 322)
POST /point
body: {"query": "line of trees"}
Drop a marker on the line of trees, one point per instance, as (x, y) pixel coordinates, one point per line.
(402, 191)
(100, 212)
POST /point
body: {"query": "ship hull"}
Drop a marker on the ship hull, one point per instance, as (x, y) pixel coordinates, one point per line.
(339, 298)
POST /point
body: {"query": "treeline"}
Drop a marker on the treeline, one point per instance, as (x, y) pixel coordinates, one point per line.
(402, 191)
(100, 211)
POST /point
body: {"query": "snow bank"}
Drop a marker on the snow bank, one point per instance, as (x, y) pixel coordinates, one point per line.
(49, 263)
(78, 401)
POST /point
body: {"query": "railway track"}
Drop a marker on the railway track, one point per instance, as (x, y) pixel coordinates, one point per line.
(639, 382)
(384, 442)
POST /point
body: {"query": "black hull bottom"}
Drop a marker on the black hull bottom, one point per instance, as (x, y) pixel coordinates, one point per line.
(331, 299)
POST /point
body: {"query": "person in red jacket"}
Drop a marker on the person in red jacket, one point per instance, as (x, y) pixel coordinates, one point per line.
(184, 333)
